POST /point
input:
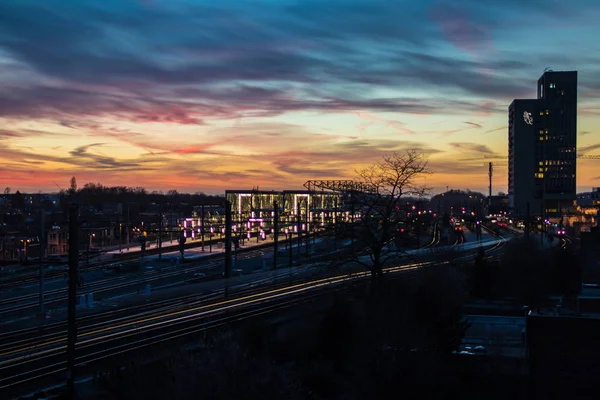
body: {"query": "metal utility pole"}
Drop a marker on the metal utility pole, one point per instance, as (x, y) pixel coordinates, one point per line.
(42, 252)
(352, 221)
(227, 238)
(275, 233)
(171, 221)
(490, 173)
(299, 226)
(72, 291)
(89, 241)
(120, 234)
(527, 220)
(289, 240)
(306, 231)
(202, 225)
(160, 229)
(334, 220)
(127, 227)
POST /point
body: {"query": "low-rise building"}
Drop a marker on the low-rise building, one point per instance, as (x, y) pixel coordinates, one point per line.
(57, 241)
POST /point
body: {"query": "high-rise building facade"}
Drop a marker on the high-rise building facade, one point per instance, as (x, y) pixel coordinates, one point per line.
(522, 168)
(542, 147)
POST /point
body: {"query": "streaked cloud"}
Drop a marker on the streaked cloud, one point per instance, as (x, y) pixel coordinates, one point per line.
(586, 149)
(200, 95)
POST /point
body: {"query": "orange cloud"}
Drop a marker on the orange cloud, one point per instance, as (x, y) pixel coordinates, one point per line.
(193, 149)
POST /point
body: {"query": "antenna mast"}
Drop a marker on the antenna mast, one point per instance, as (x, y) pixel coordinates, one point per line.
(490, 173)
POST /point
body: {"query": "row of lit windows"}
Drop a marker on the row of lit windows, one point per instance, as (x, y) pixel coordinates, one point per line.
(552, 169)
(552, 137)
(540, 175)
(554, 162)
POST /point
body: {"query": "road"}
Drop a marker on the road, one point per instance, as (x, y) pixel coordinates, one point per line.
(33, 357)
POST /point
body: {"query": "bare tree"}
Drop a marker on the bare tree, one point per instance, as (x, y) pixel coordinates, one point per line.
(7, 191)
(397, 175)
(73, 185)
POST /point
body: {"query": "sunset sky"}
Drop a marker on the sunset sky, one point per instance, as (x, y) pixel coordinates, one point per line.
(231, 94)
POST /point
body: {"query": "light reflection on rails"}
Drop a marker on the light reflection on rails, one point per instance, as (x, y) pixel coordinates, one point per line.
(46, 351)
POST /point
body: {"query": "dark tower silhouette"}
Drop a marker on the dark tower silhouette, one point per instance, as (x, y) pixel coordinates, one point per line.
(542, 142)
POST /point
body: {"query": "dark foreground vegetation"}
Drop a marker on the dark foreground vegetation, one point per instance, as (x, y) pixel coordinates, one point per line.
(394, 339)
(346, 345)
(354, 344)
(527, 274)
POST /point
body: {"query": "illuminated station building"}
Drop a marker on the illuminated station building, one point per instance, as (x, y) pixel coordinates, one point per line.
(254, 210)
(253, 213)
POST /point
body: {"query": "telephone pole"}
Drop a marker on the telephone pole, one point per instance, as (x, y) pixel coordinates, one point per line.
(42, 241)
(227, 238)
(72, 291)
(299, 226)
(275, 233)
(202, 226)
(160, 229)
(127, 227)
(490, 173)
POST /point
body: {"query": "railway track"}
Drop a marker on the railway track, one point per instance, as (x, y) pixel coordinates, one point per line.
(24, 362)
(36, 356)
(105, 286)
(32, 275)
(31, 338)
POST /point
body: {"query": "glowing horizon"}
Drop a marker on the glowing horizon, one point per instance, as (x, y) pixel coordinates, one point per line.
(194, 96)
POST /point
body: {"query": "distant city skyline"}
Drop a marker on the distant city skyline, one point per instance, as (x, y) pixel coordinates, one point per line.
(204, 96)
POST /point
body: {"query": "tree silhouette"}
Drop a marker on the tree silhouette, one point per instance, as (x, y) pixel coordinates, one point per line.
(73, 186)
(397, 175)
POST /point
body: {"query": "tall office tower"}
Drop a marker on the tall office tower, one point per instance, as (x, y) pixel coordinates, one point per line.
(542, 142)
(522, 167)
(557, 143)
